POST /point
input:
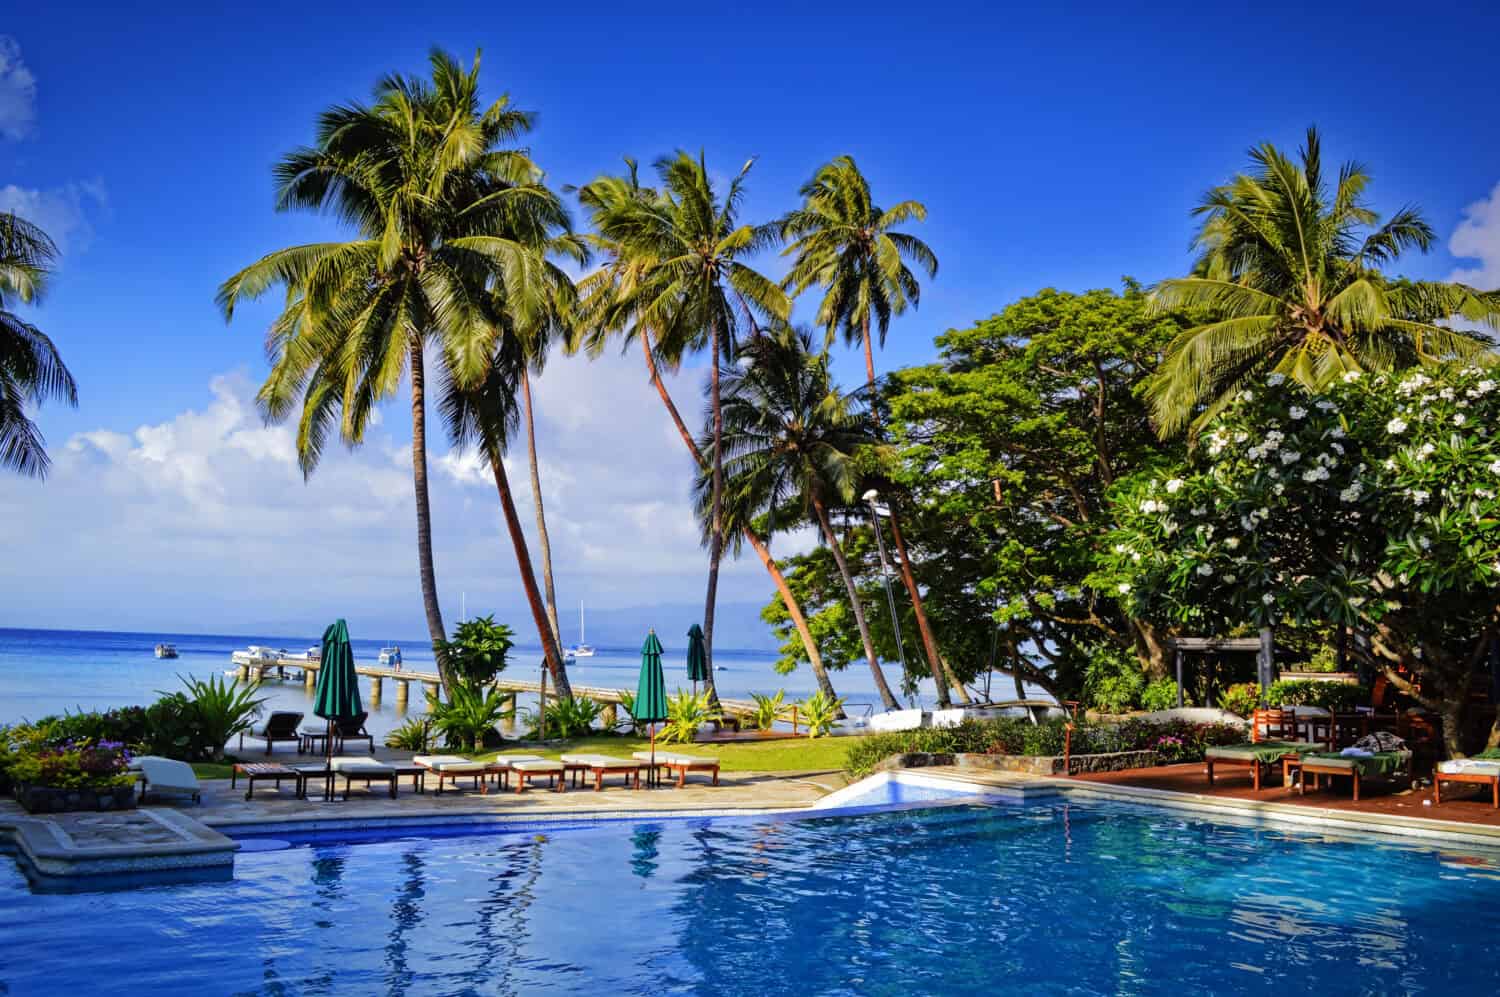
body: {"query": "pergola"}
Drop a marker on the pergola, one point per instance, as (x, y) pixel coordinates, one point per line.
(1260, 646)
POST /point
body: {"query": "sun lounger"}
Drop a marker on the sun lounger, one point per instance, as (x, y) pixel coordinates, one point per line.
(1252, 756)
(601, 765)
(1480, 771)
(351, 729)
(279, 726)
(500, 767)
(354, 768)
(1316, 764)
(681, 765)
(556, 773)
(166, 775)
(451, 768)
(272, 772)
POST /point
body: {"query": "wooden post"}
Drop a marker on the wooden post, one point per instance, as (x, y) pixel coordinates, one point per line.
(508, 721)
(242, 674)
(309, 679)
(1178, 656)
(1265, 662)
(403, 691)
(375, 682)
(433, 688)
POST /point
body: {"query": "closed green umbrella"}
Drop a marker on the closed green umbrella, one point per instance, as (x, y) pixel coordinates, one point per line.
(650, 705)
(697, 657)
(337, 695)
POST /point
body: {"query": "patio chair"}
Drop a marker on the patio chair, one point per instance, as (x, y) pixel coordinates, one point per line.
(279, 726)
(1480, 771)
(351, 729)
(166, 775)
(1275, 724)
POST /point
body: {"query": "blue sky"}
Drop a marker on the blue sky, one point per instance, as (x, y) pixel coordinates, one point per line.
(1052, 147)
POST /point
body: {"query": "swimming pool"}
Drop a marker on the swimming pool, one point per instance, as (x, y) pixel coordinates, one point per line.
(1047, 897)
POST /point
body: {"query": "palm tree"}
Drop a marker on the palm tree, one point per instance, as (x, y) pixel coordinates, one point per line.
(790, 441)
(1290, 272)
(442, 210)
(680, 276)
(31, 369)
(845, 244)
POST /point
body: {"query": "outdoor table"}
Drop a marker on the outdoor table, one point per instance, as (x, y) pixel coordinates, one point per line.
(417, 772)
(312, 740)
(264, 772)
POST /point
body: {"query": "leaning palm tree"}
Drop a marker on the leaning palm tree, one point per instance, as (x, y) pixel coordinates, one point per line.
(1290, 272)
(680, 275)
(844, 244)
(31, 369)
(442, 210)
(790, 442)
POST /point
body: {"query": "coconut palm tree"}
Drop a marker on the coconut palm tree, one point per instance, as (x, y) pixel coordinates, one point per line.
(1290, 271)
(790, 441)
(843, 243)
(31, 369)
(680, 276)
(442, 209)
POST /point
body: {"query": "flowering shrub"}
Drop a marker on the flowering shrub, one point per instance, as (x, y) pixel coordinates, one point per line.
(1170, 747)
(72, 765)
(1241, 698)
(1372, 505)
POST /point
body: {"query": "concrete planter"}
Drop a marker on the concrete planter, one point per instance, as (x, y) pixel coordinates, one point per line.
(1115, 761)
(53, 800)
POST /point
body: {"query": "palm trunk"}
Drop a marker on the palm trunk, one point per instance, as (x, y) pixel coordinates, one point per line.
(886, 697)
(940, 677)
(424, 514)
(716, 524)
(793, 608)
(541, 514)
(544, 631)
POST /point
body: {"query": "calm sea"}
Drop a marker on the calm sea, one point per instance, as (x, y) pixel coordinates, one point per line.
(49, 671)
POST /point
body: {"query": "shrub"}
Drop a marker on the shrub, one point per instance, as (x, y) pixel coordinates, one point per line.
(413, 735)
(1112, 681)
(126, 724)
(469, 714)
(685, 714)
(1161, 695)
(478, 650)
(565, 718)
(768, 709)
(73, 765)
(1241, 698)
(195, 728)
(1336, 696)
(819, 711)
(627, 703)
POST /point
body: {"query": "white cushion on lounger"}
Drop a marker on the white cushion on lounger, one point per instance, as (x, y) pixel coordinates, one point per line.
(353, 764)
(1470, 766)
(167, 775)
(673, 758)
(540, 765)
(449, 763)
(601, 761)
(512, 759)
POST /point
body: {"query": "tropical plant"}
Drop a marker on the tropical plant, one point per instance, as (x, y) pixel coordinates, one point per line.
(1240, 699)
(1335, 696)
(768, 709)
(469, 716)
(415, 734)
(566, 718)
(686, 712)
(680, 278)
(478, 650)
(627, 703)
(443, 211)
(73, 765)
(194, 725)
(844, 244)
(1291, 270)
(31, 369)
(790, 439)
(820, 713)
(1161, 695)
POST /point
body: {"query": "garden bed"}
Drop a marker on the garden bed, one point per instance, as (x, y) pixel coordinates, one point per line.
(1044, 765)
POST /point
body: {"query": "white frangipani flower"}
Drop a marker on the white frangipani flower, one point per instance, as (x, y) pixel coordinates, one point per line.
(1396, 425)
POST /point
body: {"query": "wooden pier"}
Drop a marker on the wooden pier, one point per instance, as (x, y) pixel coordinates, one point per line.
(261, 670)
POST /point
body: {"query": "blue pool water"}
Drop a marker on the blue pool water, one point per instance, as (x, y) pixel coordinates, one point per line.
(1042, 898)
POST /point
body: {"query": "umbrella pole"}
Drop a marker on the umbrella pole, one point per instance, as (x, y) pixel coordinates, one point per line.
(653, 779)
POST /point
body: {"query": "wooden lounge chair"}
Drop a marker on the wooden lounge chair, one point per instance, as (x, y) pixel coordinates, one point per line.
(1480, 771)
(500, 767)
(351, 729)
(681, 765)
(1252, 756)
(279, 726)
(556, 773)
(601, 765)
(366, 770)
(166, 775)
(1316, 765)
(451, 768)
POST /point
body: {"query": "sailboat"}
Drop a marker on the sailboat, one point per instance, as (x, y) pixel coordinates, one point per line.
(580, 649)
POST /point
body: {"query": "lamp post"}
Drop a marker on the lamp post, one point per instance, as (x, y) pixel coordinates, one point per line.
(885, 575)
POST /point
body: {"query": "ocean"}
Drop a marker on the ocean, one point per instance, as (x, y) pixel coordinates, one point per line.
(50, 671)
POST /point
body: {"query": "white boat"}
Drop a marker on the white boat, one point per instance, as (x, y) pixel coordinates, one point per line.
(580, 649)
(254, 655)
(166, 650)
(314, 653)
(390, 657)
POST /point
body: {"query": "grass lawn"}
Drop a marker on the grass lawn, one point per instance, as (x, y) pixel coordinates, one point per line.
(802, 755)
(213, 770)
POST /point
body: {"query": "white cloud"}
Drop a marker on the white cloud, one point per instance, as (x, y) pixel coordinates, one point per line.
(64, 213)
(1478, 238)
(17, 92)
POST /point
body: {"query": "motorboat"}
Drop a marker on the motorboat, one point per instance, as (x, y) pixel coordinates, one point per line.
(314, 653)
(255, 655)
(390, 657)
(166, 650)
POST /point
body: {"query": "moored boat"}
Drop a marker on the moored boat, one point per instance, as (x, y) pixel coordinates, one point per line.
(166, 650)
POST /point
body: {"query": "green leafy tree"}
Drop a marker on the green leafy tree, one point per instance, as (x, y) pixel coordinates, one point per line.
(442, 209)
(1291, 269)
(31, 369)
(1008, 447)
(848, 247)
(1371, 505)
(480, 649)
(679, 276)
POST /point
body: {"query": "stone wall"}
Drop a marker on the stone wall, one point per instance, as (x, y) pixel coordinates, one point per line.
(53, 800)
(1115, 761)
